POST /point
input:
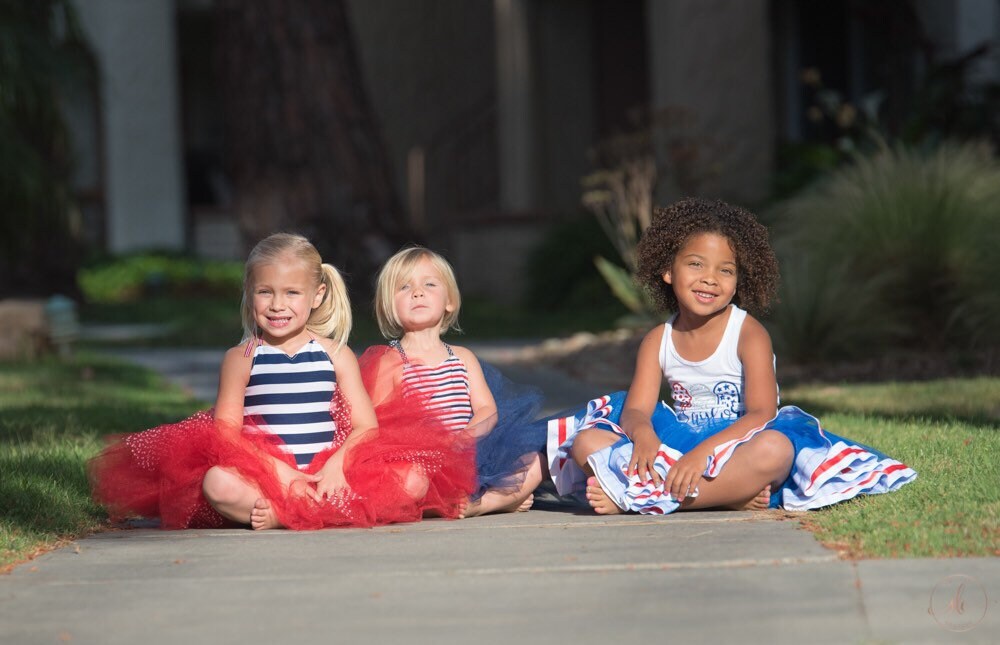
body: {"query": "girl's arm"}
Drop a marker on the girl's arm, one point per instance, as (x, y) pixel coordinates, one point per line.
(349, 381)
(643, 396)
(233, 378)
(362, 417)
(483, 405)
(761, 400)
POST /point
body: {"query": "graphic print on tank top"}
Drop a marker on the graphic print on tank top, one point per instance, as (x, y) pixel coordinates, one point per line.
(289, 397)
(711, 389)
(445, 387)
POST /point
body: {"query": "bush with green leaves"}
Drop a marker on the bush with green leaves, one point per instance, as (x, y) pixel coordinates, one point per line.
(898, 249)
(43, 54)
(133, 277)
(560, 270)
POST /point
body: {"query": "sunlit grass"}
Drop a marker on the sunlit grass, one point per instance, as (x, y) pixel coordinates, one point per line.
(949, 432)
(54, 415)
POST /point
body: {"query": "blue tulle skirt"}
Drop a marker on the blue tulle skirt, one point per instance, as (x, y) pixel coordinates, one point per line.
(504, 453)
(826, 469)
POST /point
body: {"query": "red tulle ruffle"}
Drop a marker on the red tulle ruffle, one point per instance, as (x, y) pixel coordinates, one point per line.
(408, 467)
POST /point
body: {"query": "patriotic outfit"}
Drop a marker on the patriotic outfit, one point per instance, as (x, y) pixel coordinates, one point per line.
(708, 397)
(441, 394)
(294, 411)
(445, 387)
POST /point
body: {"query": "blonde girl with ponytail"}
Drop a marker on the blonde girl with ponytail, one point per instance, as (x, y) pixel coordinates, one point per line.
(291, 407)
(291, 369)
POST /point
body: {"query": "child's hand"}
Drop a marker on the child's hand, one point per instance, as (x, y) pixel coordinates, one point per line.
(645, 447)
(686, 473)
(302, 487)
(298, 483)
(332, 479)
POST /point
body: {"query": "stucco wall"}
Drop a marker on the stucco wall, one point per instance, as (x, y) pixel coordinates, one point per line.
(713, 58)
(144, 192)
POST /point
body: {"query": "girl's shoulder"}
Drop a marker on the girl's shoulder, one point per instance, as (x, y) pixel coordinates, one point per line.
(654, 336)
(753, 335)
(465, 354)
(237, 363)
(242, 353)
(340, 355)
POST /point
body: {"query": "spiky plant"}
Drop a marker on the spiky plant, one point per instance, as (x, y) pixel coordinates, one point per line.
(907, 242)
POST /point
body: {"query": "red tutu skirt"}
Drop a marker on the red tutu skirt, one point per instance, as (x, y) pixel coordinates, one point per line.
(399, 472)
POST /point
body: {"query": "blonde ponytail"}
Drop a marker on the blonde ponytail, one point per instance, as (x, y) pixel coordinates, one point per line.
(332, 318)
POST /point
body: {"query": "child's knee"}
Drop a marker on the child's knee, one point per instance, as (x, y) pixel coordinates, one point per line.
(221, 486)
(772, 450)
(587, 442)
(415, 483)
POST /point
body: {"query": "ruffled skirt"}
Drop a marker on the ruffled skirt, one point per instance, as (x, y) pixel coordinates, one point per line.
(503, 453)
(504, 444)
(158, 473)
(826, 469)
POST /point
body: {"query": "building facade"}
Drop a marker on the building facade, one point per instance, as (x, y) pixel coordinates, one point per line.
(488, 108)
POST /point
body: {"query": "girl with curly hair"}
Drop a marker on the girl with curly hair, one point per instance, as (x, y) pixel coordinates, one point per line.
(724, 443)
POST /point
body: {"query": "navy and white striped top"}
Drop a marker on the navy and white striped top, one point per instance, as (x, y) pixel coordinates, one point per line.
(289, 396)
(446, 387)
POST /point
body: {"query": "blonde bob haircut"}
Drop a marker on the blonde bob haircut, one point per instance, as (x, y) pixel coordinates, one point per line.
(332, 318)
(395, 273)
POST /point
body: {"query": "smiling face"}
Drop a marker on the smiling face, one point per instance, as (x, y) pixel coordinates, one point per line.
(284, 295)
(421, 299)
(703, 275)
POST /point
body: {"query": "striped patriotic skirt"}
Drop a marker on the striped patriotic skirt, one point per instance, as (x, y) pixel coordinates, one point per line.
(826, 469)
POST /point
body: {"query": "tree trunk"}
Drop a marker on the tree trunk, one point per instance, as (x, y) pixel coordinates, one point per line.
(303, 148)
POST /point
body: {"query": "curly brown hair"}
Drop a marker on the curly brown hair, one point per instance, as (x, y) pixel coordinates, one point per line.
(673, 226)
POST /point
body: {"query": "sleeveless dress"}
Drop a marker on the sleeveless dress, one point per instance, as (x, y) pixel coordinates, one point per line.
(708, 396)
(295, 412)
(441, 394)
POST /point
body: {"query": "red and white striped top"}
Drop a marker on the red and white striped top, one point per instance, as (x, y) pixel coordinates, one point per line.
(445, 387)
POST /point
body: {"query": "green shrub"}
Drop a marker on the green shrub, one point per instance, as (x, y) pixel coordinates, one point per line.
(560, 271)
(130, 278)
(900, 245)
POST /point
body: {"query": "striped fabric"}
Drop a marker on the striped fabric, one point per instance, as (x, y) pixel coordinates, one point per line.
(827, 469)
(289, 396)
(445, 387)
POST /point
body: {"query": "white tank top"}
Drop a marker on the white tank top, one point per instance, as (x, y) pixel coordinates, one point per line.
(708, 390)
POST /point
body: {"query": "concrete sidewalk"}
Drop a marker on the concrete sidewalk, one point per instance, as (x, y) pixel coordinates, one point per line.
(545, 576)
(551, 575)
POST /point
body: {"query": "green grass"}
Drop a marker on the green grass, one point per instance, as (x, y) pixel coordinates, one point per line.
(949, 432)
(53, 417)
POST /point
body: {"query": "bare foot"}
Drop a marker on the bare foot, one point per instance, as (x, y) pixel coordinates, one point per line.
(599, 500)
(493, 501)
(263, 516)
(470, 509)
(758, 503)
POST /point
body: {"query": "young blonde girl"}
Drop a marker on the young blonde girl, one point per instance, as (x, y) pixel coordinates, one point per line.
(280, 448)
(417, 300)
(724, 443)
